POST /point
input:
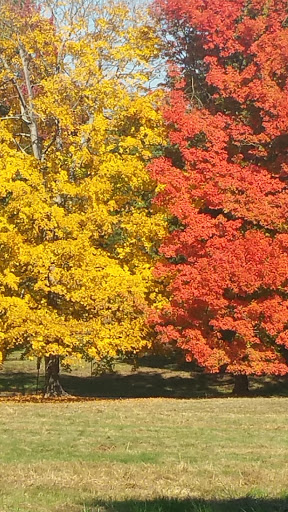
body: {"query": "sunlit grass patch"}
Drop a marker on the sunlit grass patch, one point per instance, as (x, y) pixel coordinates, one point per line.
(144, 454)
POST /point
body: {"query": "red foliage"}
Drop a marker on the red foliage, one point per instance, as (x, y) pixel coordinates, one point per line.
(27, 8)
(225, 181)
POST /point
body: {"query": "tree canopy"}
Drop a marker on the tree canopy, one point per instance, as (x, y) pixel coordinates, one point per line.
(78, 231)
(224, 178)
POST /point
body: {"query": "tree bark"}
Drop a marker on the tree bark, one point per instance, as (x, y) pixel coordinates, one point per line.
(241, 385)
(53, 387)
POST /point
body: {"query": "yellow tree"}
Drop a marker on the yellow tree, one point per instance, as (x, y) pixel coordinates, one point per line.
(78, 230)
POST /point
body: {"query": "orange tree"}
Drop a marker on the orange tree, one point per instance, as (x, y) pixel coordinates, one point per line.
(224, 181)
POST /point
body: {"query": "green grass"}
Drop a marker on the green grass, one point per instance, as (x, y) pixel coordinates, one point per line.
(145, 455)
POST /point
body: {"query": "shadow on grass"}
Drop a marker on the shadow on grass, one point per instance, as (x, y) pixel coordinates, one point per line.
(19, 382)
(155, 377)
(173, 384)
(144, 384)
(247, 504)
(135, 385)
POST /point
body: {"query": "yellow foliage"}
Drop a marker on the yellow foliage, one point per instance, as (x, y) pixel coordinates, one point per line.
(78, 230)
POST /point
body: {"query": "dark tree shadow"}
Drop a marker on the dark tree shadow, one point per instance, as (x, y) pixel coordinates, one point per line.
(19, 382)
(147, 385)
(154, 378)
(156, 382)
(247, 504)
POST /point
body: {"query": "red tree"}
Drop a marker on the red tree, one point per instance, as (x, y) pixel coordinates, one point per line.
(225, 175)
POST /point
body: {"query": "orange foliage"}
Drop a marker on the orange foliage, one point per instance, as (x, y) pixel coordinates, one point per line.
(226, 182)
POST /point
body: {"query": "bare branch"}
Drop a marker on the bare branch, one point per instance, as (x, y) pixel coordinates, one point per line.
(10, 117)
(19, 147)
(14, 81)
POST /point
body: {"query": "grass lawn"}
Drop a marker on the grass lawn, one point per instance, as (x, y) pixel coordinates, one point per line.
(145, 455)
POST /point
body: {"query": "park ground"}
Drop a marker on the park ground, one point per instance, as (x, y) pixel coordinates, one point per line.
(155, 440)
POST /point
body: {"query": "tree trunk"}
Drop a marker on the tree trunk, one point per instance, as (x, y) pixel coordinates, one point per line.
(53, 387)
(241, 385)
(29, 108)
